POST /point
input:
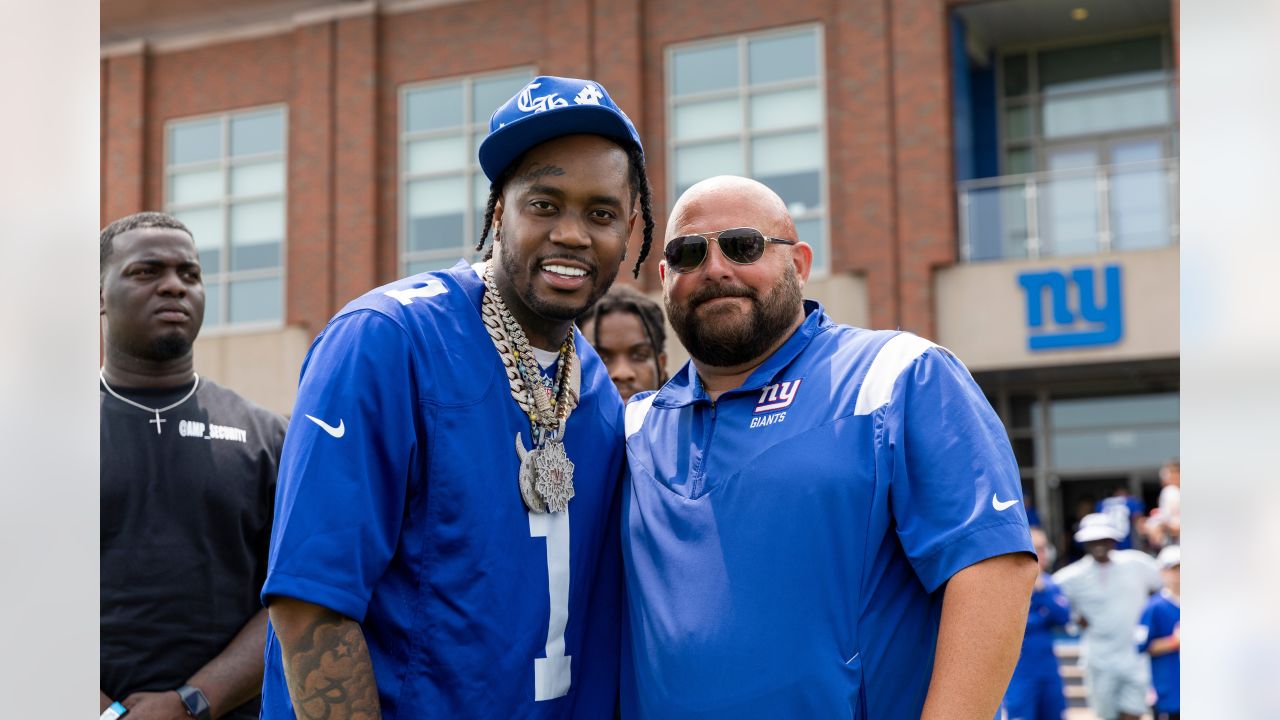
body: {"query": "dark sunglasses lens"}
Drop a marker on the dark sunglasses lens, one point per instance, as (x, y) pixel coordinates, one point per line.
(742, 245)
(686, 253)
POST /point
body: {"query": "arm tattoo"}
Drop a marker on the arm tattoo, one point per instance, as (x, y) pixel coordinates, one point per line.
(538, 171)
(330, 673)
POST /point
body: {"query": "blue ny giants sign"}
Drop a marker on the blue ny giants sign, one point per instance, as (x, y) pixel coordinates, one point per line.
(1081, 311)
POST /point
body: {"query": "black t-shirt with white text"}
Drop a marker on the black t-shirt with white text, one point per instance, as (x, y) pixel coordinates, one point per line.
(186, 523)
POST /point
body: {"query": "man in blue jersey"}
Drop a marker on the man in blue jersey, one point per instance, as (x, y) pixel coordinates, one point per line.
(818, 520)
(1035, 692)
(1160, 636)
(446, 542)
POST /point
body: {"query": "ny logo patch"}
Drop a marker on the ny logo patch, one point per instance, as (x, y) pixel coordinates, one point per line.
(777, 396)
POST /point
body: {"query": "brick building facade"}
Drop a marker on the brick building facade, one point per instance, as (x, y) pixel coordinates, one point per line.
(908, 114)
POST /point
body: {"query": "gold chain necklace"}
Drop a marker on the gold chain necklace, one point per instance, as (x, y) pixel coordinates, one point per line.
(546, 473)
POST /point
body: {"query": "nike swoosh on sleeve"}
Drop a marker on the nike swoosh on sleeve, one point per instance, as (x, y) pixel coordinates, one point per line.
(336, 432)
(995, 501)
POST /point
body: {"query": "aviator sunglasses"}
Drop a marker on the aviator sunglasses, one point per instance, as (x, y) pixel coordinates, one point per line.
(742, 245)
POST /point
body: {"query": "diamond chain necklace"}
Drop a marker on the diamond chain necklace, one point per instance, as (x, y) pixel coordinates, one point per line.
(546, 473)
(102, 374)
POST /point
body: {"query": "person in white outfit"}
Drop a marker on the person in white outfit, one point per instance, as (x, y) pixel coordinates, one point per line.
(1108, 590)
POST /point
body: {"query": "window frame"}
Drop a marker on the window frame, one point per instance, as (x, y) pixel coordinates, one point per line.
(223, 276)
(746, 135)
(1036, 143)
(470, 171)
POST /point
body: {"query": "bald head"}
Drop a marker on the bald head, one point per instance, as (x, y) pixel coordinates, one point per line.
(727, 201)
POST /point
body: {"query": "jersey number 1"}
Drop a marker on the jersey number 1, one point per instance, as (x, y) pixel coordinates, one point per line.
(551, 675)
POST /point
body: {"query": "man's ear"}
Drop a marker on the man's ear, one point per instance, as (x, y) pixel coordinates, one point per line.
(497, 218)
(802, 258)
(662, 270)
(102, 300)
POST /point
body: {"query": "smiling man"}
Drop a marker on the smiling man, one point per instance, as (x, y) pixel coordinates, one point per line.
(188, 476)
(830, 505)
(446, 539)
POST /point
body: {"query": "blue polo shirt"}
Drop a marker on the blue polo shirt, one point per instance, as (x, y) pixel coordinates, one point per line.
(398, 506)
(785, 547)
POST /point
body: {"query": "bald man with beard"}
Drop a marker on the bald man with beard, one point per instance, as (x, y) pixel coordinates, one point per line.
(818, 519)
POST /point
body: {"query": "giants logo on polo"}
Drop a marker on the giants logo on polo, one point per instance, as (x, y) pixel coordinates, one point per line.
(778, 396)
(528, 103)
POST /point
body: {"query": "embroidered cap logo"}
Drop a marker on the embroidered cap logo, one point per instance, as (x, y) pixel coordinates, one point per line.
(528, 103)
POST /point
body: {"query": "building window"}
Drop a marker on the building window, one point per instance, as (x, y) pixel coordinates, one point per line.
(443, 191)
(225, 179)
(753, 105)
(1088, 153)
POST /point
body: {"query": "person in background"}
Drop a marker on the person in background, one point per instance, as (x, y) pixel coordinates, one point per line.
(1164, 527)
(1108, 589)
(627, 330)
(1159, 636)
(188, 479)
(1128, 513)
(1035, 692)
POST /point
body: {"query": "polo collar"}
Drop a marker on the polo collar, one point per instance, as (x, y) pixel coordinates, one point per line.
(686, 387)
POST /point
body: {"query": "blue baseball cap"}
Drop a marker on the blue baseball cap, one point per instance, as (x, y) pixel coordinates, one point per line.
(550, 107)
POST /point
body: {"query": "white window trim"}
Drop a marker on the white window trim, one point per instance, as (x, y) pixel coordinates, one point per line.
(470, 171)
(224, 163)
(745, 135)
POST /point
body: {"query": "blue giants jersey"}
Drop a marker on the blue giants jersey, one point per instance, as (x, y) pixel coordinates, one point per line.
(398, 505)
(785, 546)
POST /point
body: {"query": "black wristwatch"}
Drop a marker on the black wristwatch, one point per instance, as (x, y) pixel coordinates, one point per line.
(196, 703)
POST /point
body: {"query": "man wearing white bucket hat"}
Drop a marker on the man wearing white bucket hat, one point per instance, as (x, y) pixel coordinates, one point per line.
(1108, 589)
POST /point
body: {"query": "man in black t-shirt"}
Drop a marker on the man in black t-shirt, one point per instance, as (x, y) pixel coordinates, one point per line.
(188, 481)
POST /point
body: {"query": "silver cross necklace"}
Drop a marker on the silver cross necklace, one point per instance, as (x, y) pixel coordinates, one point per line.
(102, 373)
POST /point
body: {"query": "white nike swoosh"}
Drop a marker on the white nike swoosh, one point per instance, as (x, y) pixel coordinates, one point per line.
(334, 431)
(995, 501)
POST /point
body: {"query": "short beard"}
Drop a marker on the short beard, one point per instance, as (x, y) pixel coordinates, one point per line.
(729, 344)
(168, 347)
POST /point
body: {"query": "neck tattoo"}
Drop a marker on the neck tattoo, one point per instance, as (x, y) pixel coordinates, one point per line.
(546, 473)
(102, 375)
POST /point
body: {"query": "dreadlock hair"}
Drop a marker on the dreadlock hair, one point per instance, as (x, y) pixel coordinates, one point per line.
(107, 238)
(626, 299)
(638, 181)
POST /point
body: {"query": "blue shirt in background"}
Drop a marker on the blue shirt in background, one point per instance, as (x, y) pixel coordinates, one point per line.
(1159, 619)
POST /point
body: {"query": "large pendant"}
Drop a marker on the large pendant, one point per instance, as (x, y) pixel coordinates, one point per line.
(553, 473)
(527, 491)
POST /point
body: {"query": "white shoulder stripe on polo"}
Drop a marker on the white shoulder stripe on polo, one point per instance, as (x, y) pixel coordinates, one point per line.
(636, 412)
(893, 358)
(478, 269)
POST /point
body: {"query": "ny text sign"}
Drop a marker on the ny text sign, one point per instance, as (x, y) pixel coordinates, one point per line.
(1082, 311)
